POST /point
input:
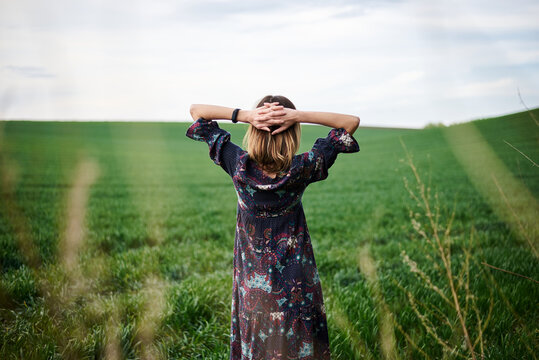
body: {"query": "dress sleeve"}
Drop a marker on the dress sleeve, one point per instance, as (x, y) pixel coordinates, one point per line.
(222, 151)
(325, 151)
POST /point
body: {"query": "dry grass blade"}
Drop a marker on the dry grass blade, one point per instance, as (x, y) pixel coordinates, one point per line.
(85, 175)
(61, 298)
(414, 269)
(113, 347)
(385, 318)
(510, 272)
(57, 293)
(457, 294)
(155, 307)
(527, 108)
(532, 350)
(515, 205)
(521, 153)
(524, 233)
(411, 341)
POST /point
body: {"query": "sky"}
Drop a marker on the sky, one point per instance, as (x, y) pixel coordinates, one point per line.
(392, 63)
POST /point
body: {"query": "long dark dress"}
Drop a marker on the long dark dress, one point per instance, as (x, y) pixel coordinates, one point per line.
(277, 304)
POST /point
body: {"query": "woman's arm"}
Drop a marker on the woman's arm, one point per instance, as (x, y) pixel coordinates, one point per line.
(287, 117)
(213, 112)
(254, 117)
(349, 122)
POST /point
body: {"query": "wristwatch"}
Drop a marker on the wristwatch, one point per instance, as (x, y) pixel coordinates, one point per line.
(235, 115)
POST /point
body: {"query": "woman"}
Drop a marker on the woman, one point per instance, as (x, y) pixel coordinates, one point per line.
(277, 304)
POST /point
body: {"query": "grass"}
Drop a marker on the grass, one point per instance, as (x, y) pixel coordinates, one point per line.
(151, 272)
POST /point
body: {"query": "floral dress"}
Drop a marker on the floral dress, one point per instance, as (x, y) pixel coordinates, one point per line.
(277, 305)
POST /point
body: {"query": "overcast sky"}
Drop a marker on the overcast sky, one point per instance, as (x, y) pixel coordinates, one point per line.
(392, 63)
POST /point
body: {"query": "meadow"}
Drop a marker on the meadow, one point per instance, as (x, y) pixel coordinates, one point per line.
(116, 241)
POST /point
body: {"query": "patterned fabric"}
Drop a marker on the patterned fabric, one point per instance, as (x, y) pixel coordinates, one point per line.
(277, 305)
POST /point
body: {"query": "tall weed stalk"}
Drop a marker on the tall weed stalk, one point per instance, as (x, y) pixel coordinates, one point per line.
(459, 310)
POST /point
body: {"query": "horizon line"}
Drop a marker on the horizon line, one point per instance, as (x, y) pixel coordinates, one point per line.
(89, 120)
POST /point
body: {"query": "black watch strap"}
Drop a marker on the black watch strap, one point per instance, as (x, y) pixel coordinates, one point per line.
(235, 115)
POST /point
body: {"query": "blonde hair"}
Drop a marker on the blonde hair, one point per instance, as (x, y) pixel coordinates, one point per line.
(273, 153)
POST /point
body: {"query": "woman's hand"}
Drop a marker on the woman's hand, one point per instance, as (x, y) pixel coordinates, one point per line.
(284, 119)
(261, 117)
(273, 115)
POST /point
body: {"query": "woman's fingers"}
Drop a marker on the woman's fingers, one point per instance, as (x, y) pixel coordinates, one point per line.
(262, 127)
(265, 125)
(264, 110)
(262, 117)
(276, 121)
(271, 113)
(279, 112)
(268, 120)
(273, 106)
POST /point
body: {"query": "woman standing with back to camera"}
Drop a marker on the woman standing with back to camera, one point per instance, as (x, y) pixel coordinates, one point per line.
(277, 305)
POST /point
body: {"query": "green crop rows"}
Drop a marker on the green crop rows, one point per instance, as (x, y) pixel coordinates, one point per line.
(153, 271)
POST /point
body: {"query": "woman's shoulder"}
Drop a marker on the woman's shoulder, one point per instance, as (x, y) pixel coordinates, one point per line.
(299, 160)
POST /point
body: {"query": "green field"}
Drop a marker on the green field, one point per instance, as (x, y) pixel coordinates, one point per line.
(116, 241)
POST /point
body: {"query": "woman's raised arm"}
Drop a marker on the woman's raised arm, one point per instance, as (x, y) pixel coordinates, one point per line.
(349, 122)
(213, 112)
(287, 117)
(253, 117)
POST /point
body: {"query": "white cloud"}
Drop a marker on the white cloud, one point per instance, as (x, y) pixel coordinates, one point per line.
(425, 61)
(483, 88)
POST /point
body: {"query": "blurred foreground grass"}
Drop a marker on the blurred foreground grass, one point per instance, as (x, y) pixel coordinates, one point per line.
(151, 274)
